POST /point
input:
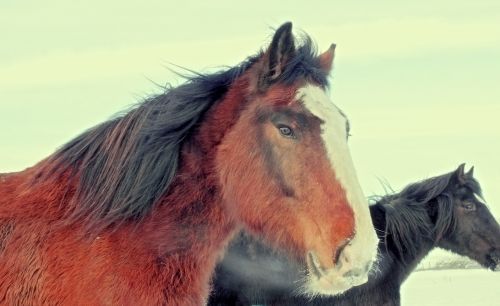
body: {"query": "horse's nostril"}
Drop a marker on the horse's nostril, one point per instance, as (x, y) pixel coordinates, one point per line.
(314, 266)
(341, 248)
(354, 273)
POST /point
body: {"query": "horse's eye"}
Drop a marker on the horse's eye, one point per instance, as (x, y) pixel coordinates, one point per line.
(286, 131)
(469, 206)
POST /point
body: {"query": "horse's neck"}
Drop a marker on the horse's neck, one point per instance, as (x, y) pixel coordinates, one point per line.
(193, 211)
(194, 202)
(384, 288)
(391, 266)
(190, 225)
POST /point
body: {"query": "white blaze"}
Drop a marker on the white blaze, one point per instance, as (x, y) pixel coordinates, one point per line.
(362, 249)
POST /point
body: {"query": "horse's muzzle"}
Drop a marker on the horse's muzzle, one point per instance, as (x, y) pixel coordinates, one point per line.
(493, 260)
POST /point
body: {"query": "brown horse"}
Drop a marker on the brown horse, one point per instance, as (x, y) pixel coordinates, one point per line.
(138, 210)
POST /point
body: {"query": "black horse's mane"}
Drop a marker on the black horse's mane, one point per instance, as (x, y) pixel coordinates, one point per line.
(407, 212)
(124, 165)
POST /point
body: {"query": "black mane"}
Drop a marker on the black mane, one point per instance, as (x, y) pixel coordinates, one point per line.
(407, 215)
(124, 165)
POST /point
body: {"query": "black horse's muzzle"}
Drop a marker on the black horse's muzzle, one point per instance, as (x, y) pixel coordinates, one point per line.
(493, 260)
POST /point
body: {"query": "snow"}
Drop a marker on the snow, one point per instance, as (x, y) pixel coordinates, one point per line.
(472, 287)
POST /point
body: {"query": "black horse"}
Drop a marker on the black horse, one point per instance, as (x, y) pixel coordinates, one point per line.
(443, 211)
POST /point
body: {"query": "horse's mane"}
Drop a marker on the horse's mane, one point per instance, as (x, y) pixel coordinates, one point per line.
(123, 166)
(407, 214)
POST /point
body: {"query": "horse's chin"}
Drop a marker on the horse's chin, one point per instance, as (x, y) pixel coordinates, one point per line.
(321, 282)
(329, 285)
(329, 282)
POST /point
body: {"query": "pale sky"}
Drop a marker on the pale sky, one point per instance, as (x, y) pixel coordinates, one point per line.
(419, 81)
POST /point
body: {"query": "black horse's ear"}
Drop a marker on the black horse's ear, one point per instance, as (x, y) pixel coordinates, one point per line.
(470, 173)
(281, 50)
(460, 174)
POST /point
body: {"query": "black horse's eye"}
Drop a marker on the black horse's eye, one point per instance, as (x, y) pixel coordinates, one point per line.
(469, 206)
(286, 131)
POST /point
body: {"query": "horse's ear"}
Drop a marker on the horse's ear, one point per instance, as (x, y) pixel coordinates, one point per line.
(460, 174)
(281, 50)
(470, 173)
(326, 58)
